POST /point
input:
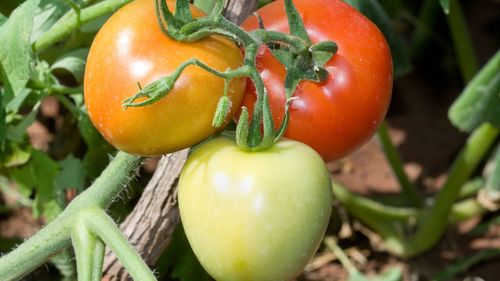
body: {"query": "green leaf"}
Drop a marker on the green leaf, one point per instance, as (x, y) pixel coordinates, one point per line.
(205, 5)
(18, 132)
(15, 154)
(480, 100)
(15, 103)
(492, 187)
(25, 179)
(374, 11)
(39, 175)
(16, 56)
(47, 13)
(445, 4)
(72, 176)
(73, 62)
(50, 209)
(96, 159)
(89, 133)
(45, 171)
(3, 122)
(3, 19)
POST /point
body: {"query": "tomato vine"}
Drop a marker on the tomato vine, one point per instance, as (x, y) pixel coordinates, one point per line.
(303, 60)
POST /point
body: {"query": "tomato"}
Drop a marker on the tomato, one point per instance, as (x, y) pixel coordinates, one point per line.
(130, 49)
(341, 113)
(254, 215)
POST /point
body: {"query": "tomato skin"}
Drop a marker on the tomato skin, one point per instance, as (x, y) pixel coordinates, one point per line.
(129, 49)
(254, 215)
(341, 113)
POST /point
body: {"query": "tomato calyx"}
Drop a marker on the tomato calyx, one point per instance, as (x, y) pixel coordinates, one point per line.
(302, 60)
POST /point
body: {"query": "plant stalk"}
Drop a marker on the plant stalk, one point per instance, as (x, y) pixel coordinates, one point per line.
(56, 235)
(101, 224)
(461, 41)
(434, 223)
(408, 189)
(71, 21)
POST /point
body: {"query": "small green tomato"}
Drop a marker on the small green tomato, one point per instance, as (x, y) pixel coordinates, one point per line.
(254, 215)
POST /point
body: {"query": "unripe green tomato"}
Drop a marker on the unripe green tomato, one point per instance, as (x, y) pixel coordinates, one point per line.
(254, 215)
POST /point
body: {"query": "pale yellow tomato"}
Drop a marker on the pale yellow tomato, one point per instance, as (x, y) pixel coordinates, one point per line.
(254, 215)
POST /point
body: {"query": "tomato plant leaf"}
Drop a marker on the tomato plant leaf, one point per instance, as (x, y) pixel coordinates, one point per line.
(15, 154)
(492, 187)
(480, 100)
(96, 159)
(210, 7)
(72, 176)
(16, 57)
(89, 133)
(38, 174)
(15, 103)
(73, 62)
(205, 5)
(44, 170)
(2, 19)
(47, 13)
(445, 4)
(376, 13)
(3, 122)
(16, 133)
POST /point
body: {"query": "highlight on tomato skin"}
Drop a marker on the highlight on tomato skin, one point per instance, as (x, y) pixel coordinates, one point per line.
(254, 216)
(130, 49)
(340, 114)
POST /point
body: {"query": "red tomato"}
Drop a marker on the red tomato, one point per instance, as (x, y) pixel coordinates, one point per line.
(341, 113)
(130, 48)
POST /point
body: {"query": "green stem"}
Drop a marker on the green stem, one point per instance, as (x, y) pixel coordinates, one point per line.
(104, 227)
(339, 253)
(36, 250)
(56, 235)
(423, 25)
(98, 260)
(71, 21)
(434, 223)
(389, 222)
(84, 243)
(462, 41)
(392, 155)
(362, 205)
(109, 185)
